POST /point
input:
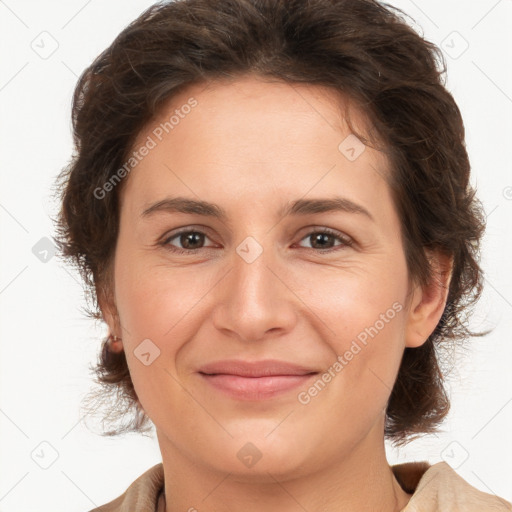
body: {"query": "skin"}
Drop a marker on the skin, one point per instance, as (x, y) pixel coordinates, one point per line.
(250, 146)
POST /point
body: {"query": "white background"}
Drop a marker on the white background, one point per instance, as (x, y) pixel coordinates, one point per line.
(48, 344)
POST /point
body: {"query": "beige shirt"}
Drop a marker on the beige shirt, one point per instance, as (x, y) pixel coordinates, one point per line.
(435, 488)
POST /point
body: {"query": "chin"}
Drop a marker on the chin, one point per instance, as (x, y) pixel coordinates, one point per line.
(258, 449)
(272, 466)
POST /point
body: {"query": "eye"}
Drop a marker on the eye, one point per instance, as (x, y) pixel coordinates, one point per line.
(322, 240)
(191, 240)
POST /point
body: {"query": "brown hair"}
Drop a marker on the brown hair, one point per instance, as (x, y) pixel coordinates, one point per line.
(361, 48)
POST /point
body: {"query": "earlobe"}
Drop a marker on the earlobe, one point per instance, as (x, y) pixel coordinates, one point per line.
(109, 311)
(114, 342)
(429, 301)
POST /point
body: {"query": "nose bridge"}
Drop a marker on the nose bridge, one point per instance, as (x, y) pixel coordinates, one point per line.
(254, 300)
(252, 276)
(254, 281)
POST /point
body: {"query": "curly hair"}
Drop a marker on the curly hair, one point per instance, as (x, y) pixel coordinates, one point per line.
(363, 49)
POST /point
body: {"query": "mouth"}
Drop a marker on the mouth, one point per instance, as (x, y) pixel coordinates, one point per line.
(257, 380)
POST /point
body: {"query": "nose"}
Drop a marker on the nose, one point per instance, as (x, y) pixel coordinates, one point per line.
(255, 300)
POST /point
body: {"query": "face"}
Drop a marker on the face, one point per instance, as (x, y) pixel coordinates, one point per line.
(315, 297)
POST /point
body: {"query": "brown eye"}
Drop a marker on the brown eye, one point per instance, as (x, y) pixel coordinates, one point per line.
(187, 241)
(325, 239)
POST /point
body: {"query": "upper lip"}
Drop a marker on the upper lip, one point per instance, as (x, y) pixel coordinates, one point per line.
(263, 368)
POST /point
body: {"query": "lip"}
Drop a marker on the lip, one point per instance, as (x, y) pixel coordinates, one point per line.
(255, 380)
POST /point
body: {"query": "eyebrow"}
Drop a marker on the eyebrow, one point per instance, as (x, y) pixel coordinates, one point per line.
(295, 208)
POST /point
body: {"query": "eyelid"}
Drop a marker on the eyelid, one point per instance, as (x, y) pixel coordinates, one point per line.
(309, 230)
(164, 240)
(346, 240)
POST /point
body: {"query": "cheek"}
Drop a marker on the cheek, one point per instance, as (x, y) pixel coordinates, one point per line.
(352, 307)
(356, 302)
(353, 302)
(362, 319)
(155, 304)
(371, 316)
(153, 299)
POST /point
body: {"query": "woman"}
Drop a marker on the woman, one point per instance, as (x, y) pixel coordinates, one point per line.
(270, 203)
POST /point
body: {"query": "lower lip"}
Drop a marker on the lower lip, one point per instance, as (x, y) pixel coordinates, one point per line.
(256, 388)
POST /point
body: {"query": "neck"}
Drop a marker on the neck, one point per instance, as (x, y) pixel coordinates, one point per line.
(360, 480)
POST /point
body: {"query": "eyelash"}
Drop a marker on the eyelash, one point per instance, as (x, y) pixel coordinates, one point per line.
(345, 241)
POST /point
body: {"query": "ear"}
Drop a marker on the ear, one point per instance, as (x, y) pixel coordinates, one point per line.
(110, 316)
(428, 302)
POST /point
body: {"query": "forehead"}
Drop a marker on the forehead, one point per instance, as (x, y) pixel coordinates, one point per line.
(249, 134)
(250, 99)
